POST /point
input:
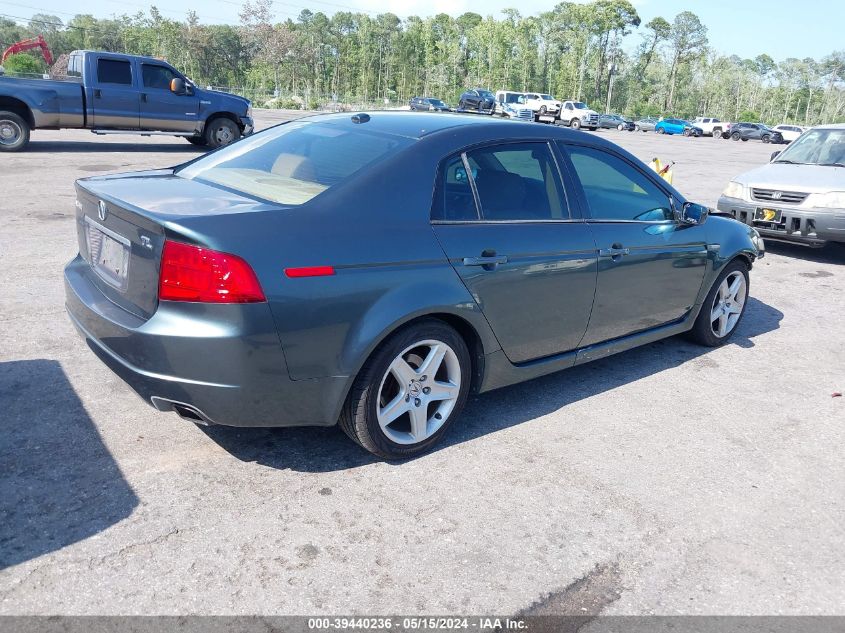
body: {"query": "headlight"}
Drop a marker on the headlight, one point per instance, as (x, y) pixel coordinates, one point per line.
(832, 200)
(734, 190)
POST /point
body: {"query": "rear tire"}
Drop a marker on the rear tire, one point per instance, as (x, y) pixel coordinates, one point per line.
(575, 124)
(409, 392)
(717, 133)
(727, 306)
(14, 132)
(221, 131)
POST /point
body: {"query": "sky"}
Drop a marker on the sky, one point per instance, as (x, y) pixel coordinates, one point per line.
(780, 28)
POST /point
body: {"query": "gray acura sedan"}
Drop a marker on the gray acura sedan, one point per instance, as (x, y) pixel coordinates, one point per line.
(375, 269)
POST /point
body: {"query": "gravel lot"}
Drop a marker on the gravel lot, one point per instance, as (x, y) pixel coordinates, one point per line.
(675, 479)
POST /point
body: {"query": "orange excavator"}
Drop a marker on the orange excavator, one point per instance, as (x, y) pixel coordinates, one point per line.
(25, 45)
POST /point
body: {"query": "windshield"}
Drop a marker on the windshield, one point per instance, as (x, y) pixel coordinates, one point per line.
(292, 163)
(816, 147)
(580, 106)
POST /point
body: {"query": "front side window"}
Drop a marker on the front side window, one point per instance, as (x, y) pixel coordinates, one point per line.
(113, 71)
(157, 77)
(616, 190)
(292, 163)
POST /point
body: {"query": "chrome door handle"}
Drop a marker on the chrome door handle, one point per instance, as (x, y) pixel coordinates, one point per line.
(485, 261)
(614, 252)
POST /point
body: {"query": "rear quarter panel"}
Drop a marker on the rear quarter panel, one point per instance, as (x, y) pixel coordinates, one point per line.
(53, 103)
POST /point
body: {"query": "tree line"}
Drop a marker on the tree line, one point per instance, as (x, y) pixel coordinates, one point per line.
(599, 52)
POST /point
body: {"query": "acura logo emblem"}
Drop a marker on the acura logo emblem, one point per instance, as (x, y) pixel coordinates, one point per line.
(102, 211)
(777, 195)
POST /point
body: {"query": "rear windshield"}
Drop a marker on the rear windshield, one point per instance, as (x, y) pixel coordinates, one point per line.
(293, 163)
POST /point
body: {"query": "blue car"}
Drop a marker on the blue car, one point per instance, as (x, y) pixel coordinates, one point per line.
(677, 126)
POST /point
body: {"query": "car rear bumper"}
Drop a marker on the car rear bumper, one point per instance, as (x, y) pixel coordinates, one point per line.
(811, 227)
(214, 363)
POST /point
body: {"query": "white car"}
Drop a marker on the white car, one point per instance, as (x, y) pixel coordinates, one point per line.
(712, 126)
(790, 132)
(542, 103)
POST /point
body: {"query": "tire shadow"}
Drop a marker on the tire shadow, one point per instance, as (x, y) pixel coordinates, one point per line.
(311, 449)
(58, 482)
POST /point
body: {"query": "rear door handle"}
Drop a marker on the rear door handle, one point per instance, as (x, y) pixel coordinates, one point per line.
(492, 260)
(97, 93)
(143, 97)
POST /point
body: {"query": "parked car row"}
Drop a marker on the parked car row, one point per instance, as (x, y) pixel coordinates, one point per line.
(534, 106)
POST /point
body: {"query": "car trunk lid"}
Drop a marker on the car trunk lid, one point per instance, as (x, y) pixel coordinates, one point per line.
(122, 224)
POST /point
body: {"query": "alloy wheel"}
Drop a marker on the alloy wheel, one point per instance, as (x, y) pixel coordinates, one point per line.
(728, 304)
(418, 392)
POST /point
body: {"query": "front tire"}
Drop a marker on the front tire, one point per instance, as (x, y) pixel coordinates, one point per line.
(736, 136)
(687, 132)
(221, 131)
(723, 307)
(14, 132)
(409, 392)
(660, 130)
(766, 139)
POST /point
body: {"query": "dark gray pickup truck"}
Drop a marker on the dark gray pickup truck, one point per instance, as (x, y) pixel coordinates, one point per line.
(110, 93)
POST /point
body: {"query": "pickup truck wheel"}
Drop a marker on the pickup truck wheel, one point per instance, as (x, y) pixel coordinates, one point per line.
(575, 124)
(717, 133)
(14, 132)
(221, 131)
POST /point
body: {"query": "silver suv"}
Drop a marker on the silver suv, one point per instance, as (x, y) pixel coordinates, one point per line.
(800, 195)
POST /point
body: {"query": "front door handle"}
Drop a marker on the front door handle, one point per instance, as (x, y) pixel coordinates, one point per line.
(614, 252)
(488, 260)
(143, 97)
(97, 93)
(485, 261)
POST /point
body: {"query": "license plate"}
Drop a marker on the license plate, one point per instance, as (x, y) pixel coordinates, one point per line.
(109, 254)
(768, 215)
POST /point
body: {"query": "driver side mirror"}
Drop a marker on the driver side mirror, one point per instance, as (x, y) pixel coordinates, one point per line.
(177, 86)
(692, 213)
(774, 155)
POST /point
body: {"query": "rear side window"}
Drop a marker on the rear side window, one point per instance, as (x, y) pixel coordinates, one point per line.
(292, 163)
(512, 182)
(615, 190)
(113, 71)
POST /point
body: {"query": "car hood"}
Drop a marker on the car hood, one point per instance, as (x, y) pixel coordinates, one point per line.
(808, 178)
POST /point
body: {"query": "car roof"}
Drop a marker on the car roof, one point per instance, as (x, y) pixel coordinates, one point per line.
(829, 126)
(418, 125)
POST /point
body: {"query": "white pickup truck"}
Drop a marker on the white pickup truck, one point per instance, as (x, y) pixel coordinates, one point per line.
(712, 126)
(576, 115)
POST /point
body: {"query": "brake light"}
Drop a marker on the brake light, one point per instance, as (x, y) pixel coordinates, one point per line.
(193, 273)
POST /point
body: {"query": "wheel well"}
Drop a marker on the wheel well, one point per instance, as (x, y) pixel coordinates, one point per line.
(744, 258)
(10, 104)
(224, 115)
(466, 331)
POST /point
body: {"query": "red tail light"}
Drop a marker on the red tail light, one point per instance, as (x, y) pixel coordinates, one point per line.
(193, 273)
